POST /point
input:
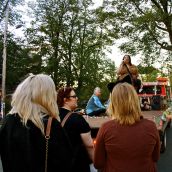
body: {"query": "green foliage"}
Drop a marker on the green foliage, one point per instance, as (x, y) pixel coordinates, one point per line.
(148, 73)
(68, 40)
(19, 63)
(145, 25)
(14, 16)
(71, 39)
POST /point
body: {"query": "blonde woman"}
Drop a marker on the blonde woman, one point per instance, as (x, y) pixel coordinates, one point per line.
(128, 142)
(22, 135)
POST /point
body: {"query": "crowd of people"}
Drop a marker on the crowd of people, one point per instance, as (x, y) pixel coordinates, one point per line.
(43, 132)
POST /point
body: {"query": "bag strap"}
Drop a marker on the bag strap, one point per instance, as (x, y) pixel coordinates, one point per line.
(65, 118)
(48, 129)
(129, 74)
(128, 70)
(47, 137)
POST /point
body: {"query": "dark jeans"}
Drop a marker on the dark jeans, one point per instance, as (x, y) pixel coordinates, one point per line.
(97, 112)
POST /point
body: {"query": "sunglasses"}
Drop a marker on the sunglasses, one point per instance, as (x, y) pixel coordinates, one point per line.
(74, 96)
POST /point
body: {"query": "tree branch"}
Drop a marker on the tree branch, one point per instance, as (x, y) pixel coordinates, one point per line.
(161, 28)
(158, 5)
(163, 45)
(138, 8)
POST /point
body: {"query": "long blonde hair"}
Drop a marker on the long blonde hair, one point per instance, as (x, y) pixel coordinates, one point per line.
(124, 104)
(33, 97)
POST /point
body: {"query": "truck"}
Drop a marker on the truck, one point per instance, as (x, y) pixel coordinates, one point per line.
(159, 93)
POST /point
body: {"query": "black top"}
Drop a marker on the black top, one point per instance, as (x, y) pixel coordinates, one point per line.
(74, 126)
(22, 149)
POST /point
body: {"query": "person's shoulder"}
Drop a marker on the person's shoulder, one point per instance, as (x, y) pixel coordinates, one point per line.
(77, 116)
(108, 124)
(80, 122)
(148, 124)
(56, 125)
(10, 120)
(134, 66)
(56, 121)
(11, 117)
(78, 119)
(147, 121)
(94, 96)
(108, 127)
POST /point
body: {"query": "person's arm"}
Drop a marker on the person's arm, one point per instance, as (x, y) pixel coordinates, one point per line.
(148, 100)
(100, 153)
(97, 102)
(134, 71)
(121, 69)
(88, 143)
(85, 134)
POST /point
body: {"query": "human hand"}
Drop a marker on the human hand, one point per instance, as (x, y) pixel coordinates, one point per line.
(81, 112)
(123, 62)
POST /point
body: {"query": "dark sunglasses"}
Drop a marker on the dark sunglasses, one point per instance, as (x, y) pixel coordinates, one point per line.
(74, 96)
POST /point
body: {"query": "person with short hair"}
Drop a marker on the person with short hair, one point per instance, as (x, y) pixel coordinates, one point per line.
(22, 135)
(94, 106)
(77, 128)
(128, 142)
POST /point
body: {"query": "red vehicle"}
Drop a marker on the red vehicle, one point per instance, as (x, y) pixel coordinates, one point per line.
(158, 92)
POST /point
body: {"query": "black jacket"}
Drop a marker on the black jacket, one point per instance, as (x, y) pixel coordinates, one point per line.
(22, 148)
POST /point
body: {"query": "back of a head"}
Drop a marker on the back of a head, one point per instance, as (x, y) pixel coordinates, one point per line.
(124, 104)
(35, 95)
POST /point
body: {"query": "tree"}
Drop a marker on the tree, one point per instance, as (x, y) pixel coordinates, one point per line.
(14, 15)
(71, 42)
(148, 73)
(20, 62)
(145, 25)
